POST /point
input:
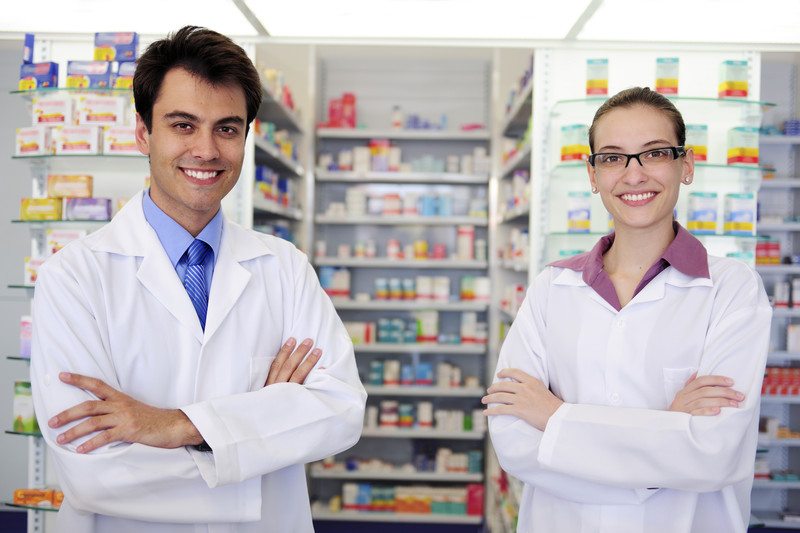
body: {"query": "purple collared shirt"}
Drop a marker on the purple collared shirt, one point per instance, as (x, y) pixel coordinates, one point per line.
(684, 253)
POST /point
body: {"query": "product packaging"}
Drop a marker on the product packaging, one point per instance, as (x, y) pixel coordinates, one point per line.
(702, 210)
(69, 186)
(58, 238)
(743, 145)
(89, 74)
(27, 48)
(31, 270)
(427, 326)
(25, 336)
(87, 209)
(465, 243)
(24, 418)
(123, 79)
(596, 77)
(579, 212)
(733, 78)
(38, 76)
(740, 214)
(667, 75)
(97, 110)
(116, 46)
(76, 140)
(32, 141)
(52, 110)
(574, 142)
(120, 140)
(697, 140)
(40, 209)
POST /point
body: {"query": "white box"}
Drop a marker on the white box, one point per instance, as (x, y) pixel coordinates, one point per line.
(53, 111)
(31, 141)
(120, 141)
(101, 110)
(82, 140)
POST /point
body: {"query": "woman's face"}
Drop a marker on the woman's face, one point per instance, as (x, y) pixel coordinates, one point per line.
(639, 197)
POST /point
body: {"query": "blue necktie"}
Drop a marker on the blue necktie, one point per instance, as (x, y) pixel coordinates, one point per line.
(195, 278)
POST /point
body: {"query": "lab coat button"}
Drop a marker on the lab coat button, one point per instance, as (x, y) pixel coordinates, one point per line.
(614, 399)
(620, 323)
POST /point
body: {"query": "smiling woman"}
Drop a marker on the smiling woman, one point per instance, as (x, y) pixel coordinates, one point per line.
(670, 341)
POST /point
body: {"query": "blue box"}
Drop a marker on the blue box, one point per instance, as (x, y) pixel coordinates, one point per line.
(89, 75)
(116, 46)
(38, 75)
(123, 79)
(27, 48)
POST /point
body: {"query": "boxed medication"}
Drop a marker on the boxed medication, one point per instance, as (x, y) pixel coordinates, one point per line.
(667, 75)
(574, 142)
(116, 46)
(24, 418)
(123, 79)
(579, 212)
(596, 77)
(87, 209)
(52, 110)
(40, 209)
(702, 213)
(697, 141)
(740, 214)
(743, 145)
(25, 336)
(89, 74)
(120, 140)
(733, 78)
(69, 186)
(32, 270)
(100, 110)
(58, 238)
(79, 140)
(38, 76)
(38, 497)
(32, 141)
(27, 48)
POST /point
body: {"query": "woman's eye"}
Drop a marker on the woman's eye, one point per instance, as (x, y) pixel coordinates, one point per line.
(657, 154)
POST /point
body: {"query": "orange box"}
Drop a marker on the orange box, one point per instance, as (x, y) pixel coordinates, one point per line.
(69, 186)
(34, 497)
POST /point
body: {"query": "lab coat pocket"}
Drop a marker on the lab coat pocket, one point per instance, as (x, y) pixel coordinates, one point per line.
(675, 379)
(259, 368)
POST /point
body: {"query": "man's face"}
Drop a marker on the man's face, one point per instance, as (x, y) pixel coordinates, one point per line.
(196, 146)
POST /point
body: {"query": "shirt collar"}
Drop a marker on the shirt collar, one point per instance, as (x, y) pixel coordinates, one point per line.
(174, 238)
(685, 253)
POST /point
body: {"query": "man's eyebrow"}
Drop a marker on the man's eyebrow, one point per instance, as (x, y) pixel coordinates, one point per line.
(181, 114)
(233, 119)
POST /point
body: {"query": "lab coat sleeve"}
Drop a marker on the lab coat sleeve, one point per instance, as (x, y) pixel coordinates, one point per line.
(516, 442)
(634, 448)
(285, 424)
(124, 480)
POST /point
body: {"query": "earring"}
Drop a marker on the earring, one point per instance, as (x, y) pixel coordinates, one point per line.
(594, 190)
(687, 180)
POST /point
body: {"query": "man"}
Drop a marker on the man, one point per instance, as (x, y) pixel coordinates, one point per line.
(152, 373)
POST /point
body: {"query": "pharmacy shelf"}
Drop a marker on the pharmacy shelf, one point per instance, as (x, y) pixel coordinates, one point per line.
(777, 485)
(438, 178)
(318, 513)
(425, 391)
(411, 305)
(515, 265)
(450, 349)
(779, 226)
(451, 264)
(275, 111)
(404, 135)
(779, 443)
(515, 213)
(591, 103)
(778, 269)
(18, 358)
(779, 139)
(31, 507)
(270, 155)
(516, 120)
(402, 220)
(263, 205)
(505, 315)
(383, 475)
(59, 222)
(26, 287)
(520, 161)
(783, 356)
(787, 399)
(415, 433)
(23, 433)
(774, 520)
(780, 183)
(783, 312)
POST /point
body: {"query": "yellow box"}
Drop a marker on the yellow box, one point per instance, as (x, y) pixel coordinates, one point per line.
(40, 209)
(69, 186)
(33, 141)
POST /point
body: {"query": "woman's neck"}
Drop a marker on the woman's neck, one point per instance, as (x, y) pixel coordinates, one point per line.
(635, 250)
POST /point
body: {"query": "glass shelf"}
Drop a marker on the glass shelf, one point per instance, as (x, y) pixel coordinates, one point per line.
(53, 222)
(598, 100)
(23, 433)
(31, 507)
(19, 286)
(71, 90)
(18, 358)
(581, 165)
(138, 157)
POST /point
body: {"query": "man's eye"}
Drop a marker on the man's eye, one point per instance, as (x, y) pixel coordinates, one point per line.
(183, 126)
(227, 130)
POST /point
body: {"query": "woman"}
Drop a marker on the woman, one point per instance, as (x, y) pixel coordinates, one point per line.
(597, 406)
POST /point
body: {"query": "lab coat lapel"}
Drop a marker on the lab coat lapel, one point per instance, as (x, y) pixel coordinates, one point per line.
(657, 288)
(574, 278)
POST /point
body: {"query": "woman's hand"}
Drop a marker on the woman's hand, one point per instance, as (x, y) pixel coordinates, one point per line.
(524, 397)
(706, 396)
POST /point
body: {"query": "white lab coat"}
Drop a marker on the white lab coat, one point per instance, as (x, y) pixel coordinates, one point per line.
(111, 306)
(612, 458)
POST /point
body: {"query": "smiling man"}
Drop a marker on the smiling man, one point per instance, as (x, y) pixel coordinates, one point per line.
(156, 379)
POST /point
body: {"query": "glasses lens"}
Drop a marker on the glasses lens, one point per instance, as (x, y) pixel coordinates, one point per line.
(657, 157)
(610, 161)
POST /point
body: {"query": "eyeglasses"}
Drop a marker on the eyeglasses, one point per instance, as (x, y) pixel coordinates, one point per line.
(655, 158)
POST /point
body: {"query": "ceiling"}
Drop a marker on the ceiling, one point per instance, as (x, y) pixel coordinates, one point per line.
(675, 21)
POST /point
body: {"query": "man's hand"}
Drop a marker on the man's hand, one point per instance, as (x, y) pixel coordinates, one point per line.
(289, 367)
(524, 397)
(119, 418)
(706, 396)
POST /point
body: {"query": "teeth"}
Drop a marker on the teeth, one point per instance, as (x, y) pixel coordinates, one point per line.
(201, 175)
(637, 197)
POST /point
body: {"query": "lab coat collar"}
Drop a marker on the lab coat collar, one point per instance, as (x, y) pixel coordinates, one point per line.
(129, 234)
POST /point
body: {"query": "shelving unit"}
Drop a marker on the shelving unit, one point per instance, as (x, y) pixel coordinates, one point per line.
(425, 391)
(378, 516)
(402, 135)
(444, 264)
(389, 305)
(320, 473)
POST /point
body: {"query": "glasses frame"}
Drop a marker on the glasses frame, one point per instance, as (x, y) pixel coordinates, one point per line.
(677, 151)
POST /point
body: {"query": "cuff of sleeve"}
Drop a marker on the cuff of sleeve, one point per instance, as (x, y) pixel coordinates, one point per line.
(220, 467)
(547, 445)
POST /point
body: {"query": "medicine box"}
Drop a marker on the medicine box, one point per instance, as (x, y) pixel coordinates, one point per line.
(100, 110)
(24, 417)
(123, 79)
(743, 145)
(667, 75)
(38, 76)
(87, 209)
(702, 218)
(89, 74)
(574, 142)
(52, 111)
(740, 214)
(116, 46)
(579, 211)
(69, 186)
(27, 48)
(733, 76)
(59, 238)
(32, 141)
(40, 209)
(25, 336)
(596, 77)
(32, 266)
(697, 140)
(81, 140)
(120, 140)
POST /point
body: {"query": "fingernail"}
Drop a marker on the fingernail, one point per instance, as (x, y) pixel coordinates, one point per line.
(291, 342)
(316, 352)
(728, 381)
(60, 439)
(64, 375)
(307, 342)
(80, 449)
(740, 396)
(53, 422)
(734, 404)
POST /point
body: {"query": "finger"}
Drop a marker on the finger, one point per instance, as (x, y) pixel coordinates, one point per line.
(515, 374)
(87, 427)
(715, 392)
(93, 385)
(500, 397)
(710, 381)
(82, 410)
(293, 361)
(98, 441)
(505, 386)
(280, 358)
(706, 411)
(500, 409)
(691, 378)
(711, 402)
(302, 372)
